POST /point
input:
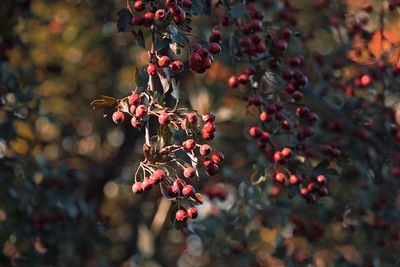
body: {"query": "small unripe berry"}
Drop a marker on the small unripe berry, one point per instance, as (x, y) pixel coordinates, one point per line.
(118, 117)
(141, 111)
(137, 188)
(192, 213)
(188, 190)
(205, 150)
(164, 61)
(181, 215)
(189, 172)
(176, 66)
(255, 132)
(217, 157)
(189, 145)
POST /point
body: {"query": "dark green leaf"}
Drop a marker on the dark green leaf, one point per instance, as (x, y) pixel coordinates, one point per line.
(124, 18)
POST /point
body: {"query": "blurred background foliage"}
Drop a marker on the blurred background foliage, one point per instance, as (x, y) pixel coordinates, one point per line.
(66, 170)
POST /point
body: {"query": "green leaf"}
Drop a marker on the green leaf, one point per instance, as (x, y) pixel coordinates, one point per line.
(124, 18)
(139, 38)
(175, 89)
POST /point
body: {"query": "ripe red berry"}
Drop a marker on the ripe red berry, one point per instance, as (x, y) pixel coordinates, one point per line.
(137, 20)
(192, 213)
(139, 6)
(118, 117)
(212, 169)
(192, 118)
(164, 118)
(160, 15)
(141, 111)
(255, 132)
(189, 172)
(286, 152)
(294, 179)
(152, 69)
(147, 184)
(179, 184)
(214, 48)
(207, 135)
(281, 44)
(188, 190)
(164, 61)
(205, 150)
(215, 35)
(135, 122)
(304, 192)
(148, 19)
(207, 162)
(170, 3)
(189, 145)
(321, 179)
(179, 18)
(159, 175)
(322, 191)
(137, 188)
(176, 66)
(134, 99)
(181, 215)
(187, 3)
(217, 157)
(243, 78)
(256, 24)
(279, 158)
(264, 116)
(173, 191)
(280, 177)
(264, 137)
(233, 81)
(209, 127)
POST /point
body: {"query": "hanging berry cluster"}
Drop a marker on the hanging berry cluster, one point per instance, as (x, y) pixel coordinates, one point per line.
(175, 153)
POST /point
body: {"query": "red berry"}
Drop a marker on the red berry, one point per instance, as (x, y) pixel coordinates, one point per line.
(294, 179)
(137, 188)
(256, 24)
(281, 44)
(179, 18)
(207, 135)
(181, 215)
(160, 15)
(137, 20)
(304, 192)
(188, 190)
(139, 6)
(187, 3)
(215, 35)
(279, 158)
(192, 118)
(170, 2)
(173, 191)
(141, 111)
(189, 172)
(212, 169)
(243, 78)
(321, 179)
(205, 150)
(189, 145)
(176, 66)
(159, 175)
(134, 99)
(148, 19)
(175, 10)
(135, 122)
(152, 69)
(287, 152)
(208, 117)
(179, 184)
(264, 137)
(192, 213)
(164, 118)
(214, 48)
(264, 116)
(255, 132)
(207, 162)
(209, 127)
(217, 157)
(280, 177)
(233, 81)
(118, 117)
(164, 61)
(147, 184)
